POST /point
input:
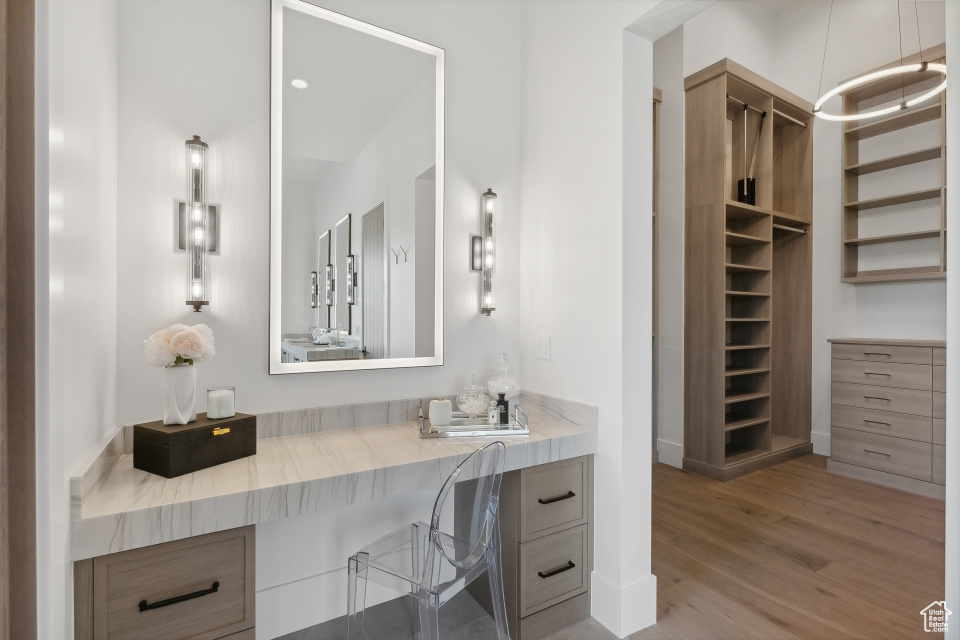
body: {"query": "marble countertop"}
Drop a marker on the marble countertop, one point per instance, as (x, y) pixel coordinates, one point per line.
(293, 475)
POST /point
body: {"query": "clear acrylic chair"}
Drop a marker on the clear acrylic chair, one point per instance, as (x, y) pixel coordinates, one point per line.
(436, 565)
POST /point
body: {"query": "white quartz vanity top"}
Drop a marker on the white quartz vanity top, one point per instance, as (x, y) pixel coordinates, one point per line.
(294, 475)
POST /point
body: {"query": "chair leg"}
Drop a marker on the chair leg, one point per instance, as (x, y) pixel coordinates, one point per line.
(429, 616)
(356, 595)
(495, 578)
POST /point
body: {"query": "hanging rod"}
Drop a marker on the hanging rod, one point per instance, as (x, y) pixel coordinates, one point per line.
(779, 113)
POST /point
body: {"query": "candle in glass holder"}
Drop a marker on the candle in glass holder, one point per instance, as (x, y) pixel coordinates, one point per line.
(220, 402)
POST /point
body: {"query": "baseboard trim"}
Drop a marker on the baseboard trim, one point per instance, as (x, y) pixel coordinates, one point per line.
(670, 453)
(624, 611)
(821, 443)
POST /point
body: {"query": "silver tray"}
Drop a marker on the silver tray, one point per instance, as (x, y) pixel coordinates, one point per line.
(463, 426)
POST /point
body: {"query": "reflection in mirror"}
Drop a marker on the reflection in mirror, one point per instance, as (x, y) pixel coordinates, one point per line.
(357, 117)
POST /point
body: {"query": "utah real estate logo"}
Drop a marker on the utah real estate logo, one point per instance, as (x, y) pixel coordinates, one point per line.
(935, 617)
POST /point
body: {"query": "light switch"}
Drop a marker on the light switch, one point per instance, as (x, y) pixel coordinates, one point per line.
(543, 347)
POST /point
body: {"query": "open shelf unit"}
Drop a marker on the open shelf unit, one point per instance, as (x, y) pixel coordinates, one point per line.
(748, 270)
(897, 261)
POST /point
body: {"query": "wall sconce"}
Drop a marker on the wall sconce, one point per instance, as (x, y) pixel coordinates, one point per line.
(198, 225)
(351, 279)
(483, 253)
(329, 285)
(314, 290)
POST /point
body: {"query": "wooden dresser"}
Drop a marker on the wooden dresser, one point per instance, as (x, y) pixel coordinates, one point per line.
(888, 413)
(546, 532)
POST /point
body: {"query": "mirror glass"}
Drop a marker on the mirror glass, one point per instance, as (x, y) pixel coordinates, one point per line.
(356, 195)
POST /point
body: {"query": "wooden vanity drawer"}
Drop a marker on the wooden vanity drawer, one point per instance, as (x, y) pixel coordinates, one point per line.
(939, 464)
(912, 401)
(893, 455)
(939, 431)
(883, 353)
(883, 374)
(552, 497)
(939, 405)
(553, 569)
(124, 582)
(887, 423)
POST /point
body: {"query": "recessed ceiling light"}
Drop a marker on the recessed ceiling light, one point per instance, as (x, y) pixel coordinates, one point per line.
(299, 84)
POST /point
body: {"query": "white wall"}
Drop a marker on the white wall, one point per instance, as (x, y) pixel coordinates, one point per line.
(76, 272)
(226, 75)
(574, 210)
(785, 44)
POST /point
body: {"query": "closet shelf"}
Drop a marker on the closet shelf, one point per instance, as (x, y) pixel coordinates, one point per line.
(932, 272)
(744, 372)
(893, 162)
(902, 120)
(741, 211)
(736, 421)
(734, 239)
(888, 201)
(744, 347)
(780, 442)
(735, 454)
(743, 268)
(735, 395)
(745, 294)
(781, 227)
(894, 237)
(747, 320)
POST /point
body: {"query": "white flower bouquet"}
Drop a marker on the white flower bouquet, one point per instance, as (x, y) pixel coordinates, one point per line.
(180, 344)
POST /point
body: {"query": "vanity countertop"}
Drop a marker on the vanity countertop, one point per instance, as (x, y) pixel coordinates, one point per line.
(293, 475)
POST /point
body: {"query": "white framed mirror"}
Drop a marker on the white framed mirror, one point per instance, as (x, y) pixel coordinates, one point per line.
(356, 149)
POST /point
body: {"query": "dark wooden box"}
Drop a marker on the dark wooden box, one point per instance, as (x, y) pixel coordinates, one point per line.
(173, 450)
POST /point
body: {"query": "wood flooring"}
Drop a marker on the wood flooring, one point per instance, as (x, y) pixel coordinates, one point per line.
(789, 552)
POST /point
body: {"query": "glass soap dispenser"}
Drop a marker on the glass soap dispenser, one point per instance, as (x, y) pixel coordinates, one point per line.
(504, 380)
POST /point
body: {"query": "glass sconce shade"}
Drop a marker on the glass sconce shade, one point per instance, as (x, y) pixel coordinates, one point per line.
(351, 279)
(488, 252)
(314, 289)
(328, 278)
(196, 207)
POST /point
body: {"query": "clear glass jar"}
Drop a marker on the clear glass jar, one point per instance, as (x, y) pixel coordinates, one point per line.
(504, 380)
(473, 401)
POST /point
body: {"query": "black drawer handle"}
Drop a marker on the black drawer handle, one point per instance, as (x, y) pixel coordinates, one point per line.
(877, 353)
(879, 453)
(189, 596)
(569, 494)
(886, 424)
(874, 373)
(876, 398)
(549, 574)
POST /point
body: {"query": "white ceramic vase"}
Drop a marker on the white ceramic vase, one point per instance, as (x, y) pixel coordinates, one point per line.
(180, 394)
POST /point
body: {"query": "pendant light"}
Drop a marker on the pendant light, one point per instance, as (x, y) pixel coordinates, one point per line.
(903, 69)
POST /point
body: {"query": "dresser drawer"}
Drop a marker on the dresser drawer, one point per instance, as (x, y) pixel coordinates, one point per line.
(939, 464)
(939, 356)
(940, 405)
(939, 378)
(883, 353)
(887, 423)
(552, 497)
(912, 401)
(126, 582)
(893, 455)
(883, 374)
(939, 431)
(552, 569)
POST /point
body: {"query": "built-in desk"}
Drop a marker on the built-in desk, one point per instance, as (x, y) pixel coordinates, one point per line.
(118, 508)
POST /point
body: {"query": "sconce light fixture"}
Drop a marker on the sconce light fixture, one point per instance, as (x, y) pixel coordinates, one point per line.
(351, 279)
(195, 224)
(483, 253)
(329, 285)
(314, 289)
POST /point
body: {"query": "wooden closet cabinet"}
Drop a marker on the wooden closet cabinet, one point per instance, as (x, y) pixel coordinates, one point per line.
(747, 285)
(889, 413)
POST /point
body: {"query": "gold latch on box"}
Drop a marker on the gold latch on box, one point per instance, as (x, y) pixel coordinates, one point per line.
(221, 431)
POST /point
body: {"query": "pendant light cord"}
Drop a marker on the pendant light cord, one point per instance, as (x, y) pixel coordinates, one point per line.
(919, 45)
(903, 94)
(825, 41)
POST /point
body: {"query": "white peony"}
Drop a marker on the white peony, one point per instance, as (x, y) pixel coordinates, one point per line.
(180, 344)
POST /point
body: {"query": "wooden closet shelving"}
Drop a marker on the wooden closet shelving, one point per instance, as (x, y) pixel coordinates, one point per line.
(748, 271)
(904, 143)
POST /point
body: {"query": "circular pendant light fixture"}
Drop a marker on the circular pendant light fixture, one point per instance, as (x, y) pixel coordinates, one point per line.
(921, 67)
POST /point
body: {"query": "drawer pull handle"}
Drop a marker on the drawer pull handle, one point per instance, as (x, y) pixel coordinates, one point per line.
(876, 398)
(886, 424)
(549, 574)
(875, 373)
(879, 453)
(189, 596)
(877, 353)
(567, 496)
